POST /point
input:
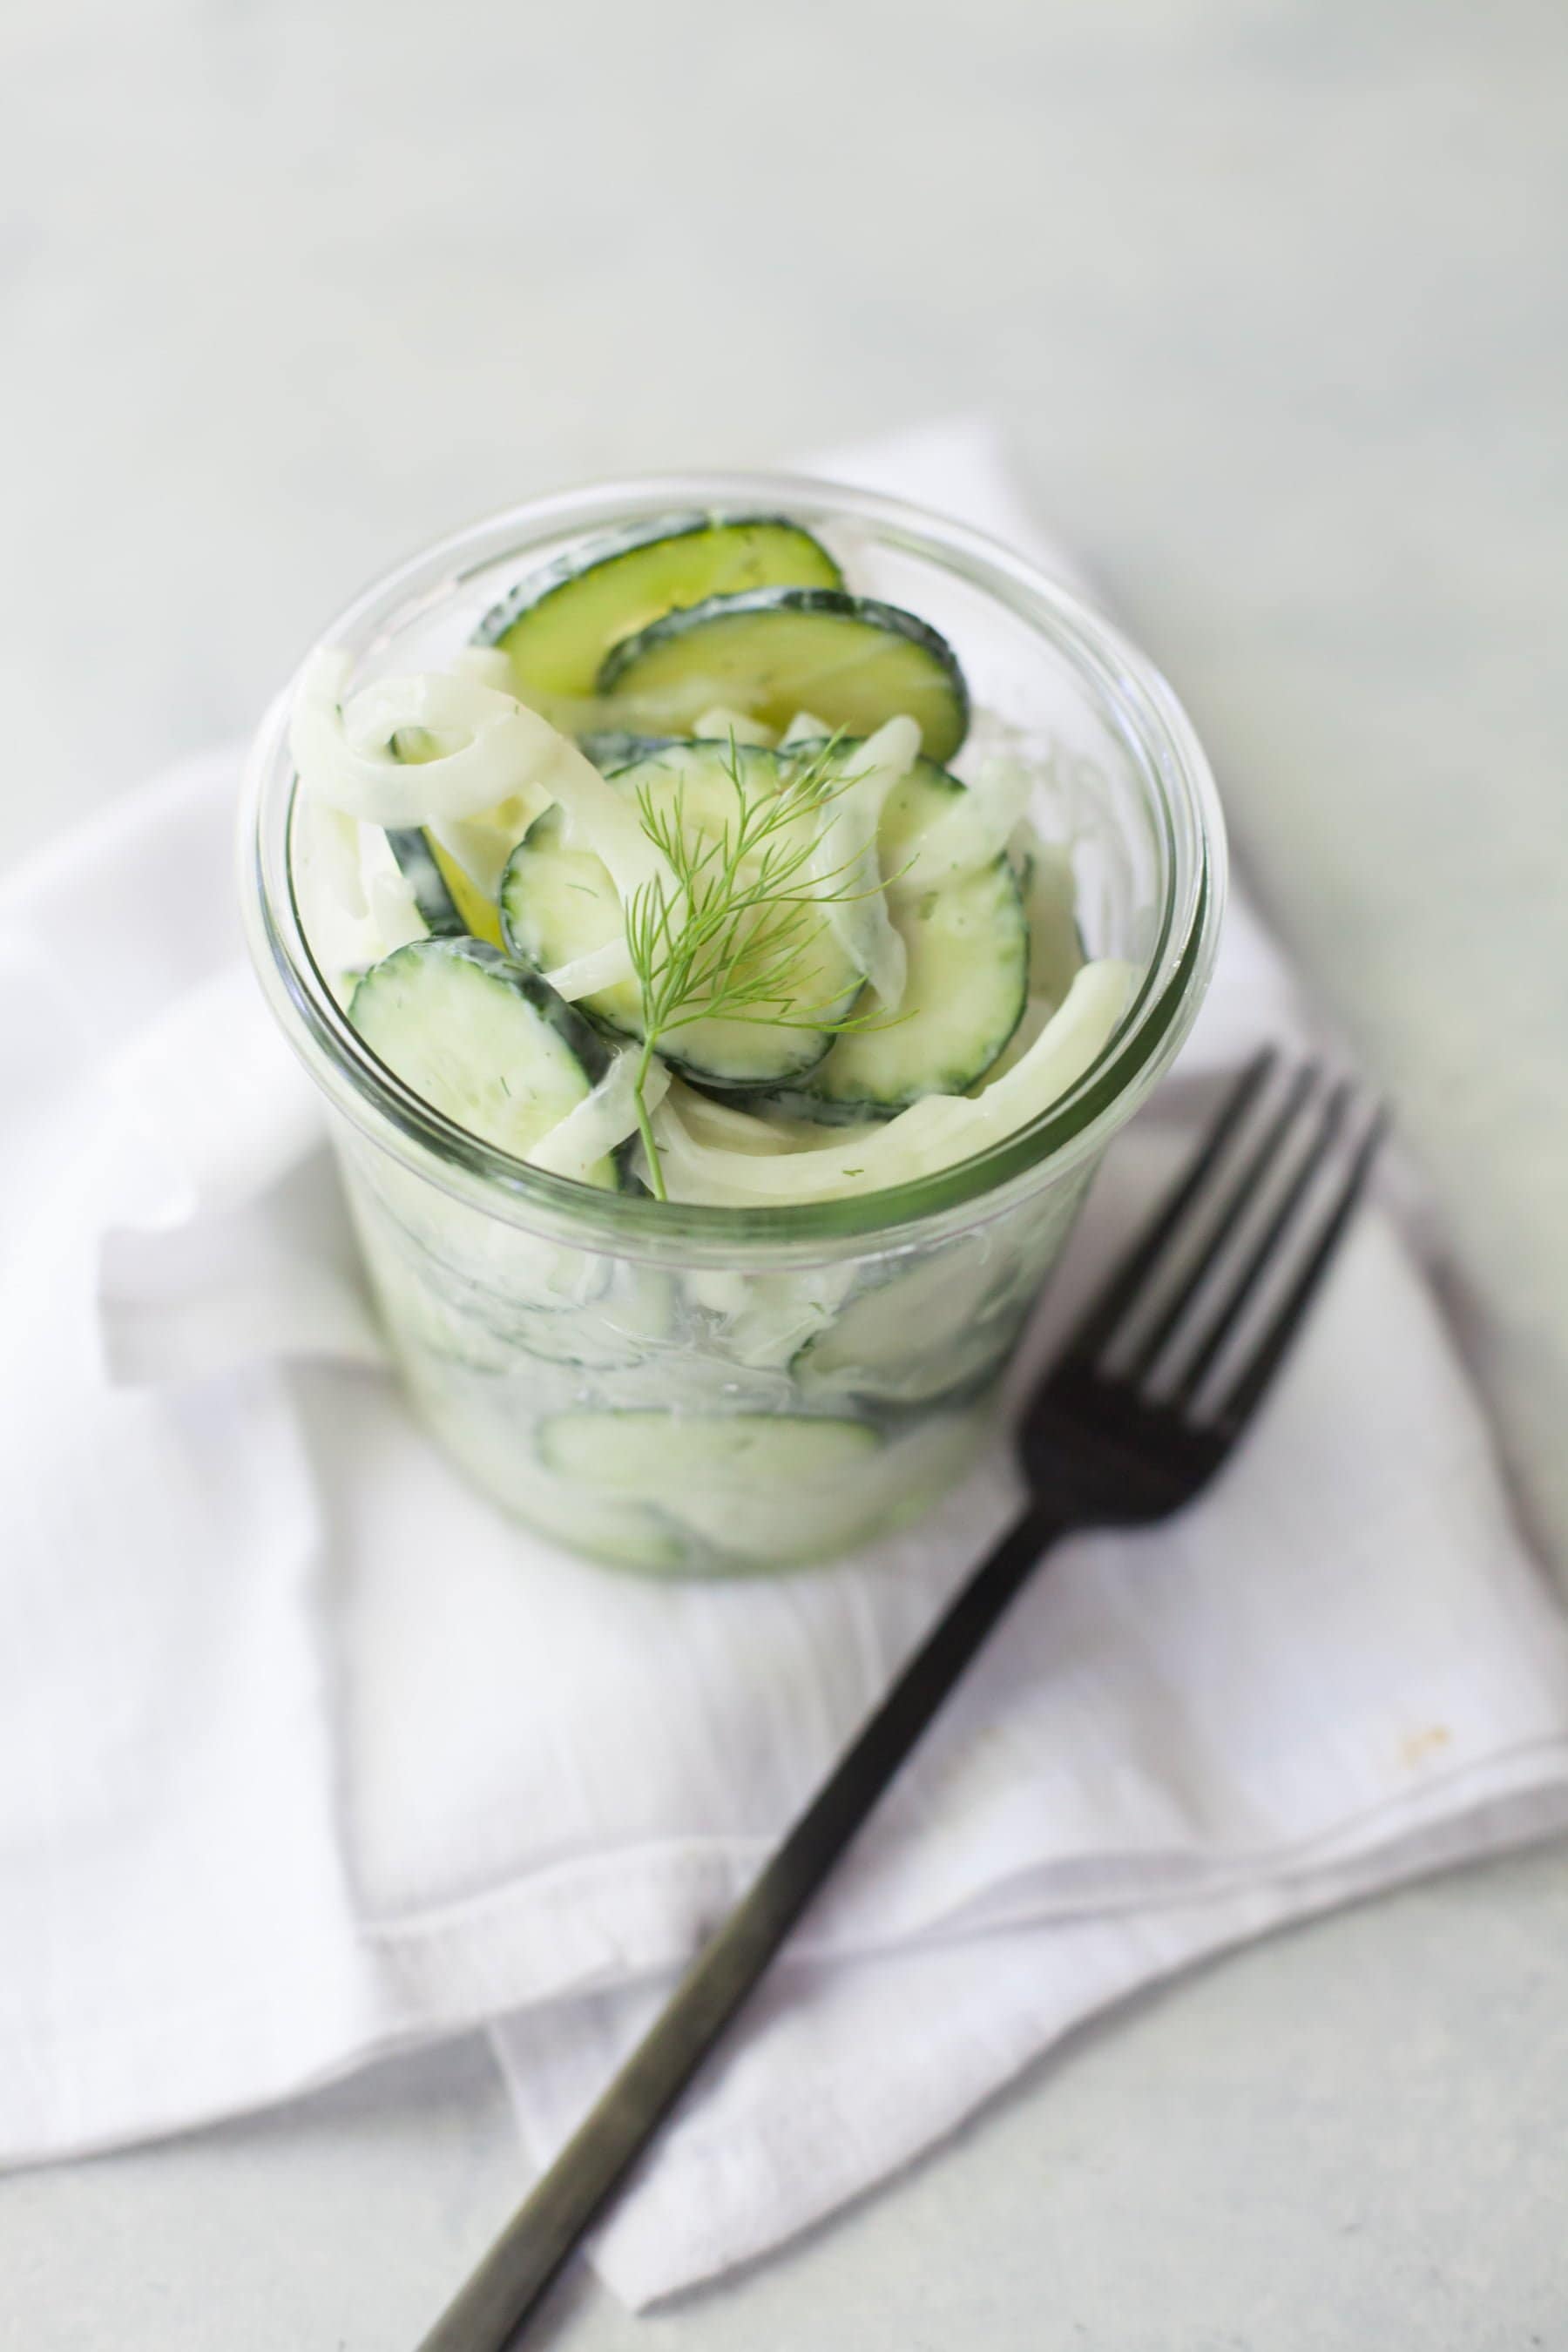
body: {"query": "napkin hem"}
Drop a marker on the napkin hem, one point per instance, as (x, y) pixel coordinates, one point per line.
(719, 1873)
(740, 2188)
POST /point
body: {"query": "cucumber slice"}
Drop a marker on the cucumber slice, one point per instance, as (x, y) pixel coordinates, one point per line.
(415, 853)
(607, 1337)
(450, 903)
(446, 1312)
(556, 627)
(617, 1535)
(477, 913)
(431, 1313)
(779, 651)
(486, 1270)
(764, 1490)
(559, 905)
(485, 1043)
(656, 1453)
(762, 1321)
(493, 1448)
(924, 1329)
(936, 1133)
(611, 748)
(968, 952)
(966, 946)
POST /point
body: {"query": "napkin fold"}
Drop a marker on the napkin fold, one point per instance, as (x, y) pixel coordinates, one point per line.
(305, 1752)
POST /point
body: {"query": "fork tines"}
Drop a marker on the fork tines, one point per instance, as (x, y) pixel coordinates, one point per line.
(1199, 1315)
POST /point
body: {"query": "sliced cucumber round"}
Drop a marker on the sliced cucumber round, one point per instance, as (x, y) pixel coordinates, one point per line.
(617, 1535)
(966, 944)
(487, 1045)
(968, 950)
(611, 748)
(429, 1307)
(762, 1489)
(415, 853)
(477, 913)
(924, 1328)
(493, 1449)
(559, 905)
(778, 651)
(557, 626)
(450, 901)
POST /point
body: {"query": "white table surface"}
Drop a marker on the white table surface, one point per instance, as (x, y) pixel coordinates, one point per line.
(1269, 296)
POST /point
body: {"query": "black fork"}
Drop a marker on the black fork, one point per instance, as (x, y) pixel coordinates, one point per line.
(1145, 1402)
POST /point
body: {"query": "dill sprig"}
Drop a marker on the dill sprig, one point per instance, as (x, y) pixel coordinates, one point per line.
(726, 937)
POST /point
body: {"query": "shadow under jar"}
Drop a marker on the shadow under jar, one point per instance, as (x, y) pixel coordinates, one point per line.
(688, 1388)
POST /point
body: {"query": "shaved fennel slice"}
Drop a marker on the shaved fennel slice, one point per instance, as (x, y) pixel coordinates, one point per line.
(601, 1121)
(845, 860)
(932, 1134)
(975, 830)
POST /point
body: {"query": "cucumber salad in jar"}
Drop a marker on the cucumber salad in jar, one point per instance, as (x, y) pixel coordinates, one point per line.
(694, 877)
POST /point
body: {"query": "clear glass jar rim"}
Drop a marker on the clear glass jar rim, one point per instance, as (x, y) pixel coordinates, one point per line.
(1072, 1129)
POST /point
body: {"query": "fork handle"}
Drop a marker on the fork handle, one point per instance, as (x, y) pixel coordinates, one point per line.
(513, 2277)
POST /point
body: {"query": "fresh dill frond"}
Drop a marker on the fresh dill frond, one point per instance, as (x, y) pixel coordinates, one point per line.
(727, 936)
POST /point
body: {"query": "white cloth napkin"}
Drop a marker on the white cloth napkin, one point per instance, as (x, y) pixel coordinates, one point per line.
(305, 1752)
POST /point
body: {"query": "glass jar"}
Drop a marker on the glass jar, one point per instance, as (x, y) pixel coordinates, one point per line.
(694, 1389)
